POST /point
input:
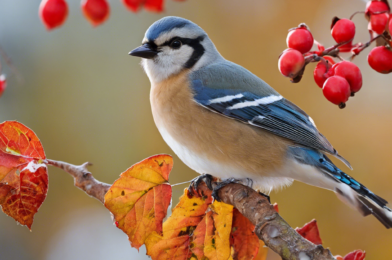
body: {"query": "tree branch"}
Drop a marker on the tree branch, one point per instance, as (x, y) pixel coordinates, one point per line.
(270, 227)
(83, 179)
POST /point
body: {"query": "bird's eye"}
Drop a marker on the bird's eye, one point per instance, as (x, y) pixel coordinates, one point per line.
(176, 44)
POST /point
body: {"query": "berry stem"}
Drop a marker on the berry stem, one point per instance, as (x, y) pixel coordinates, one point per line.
(8, 61)
(354, 14)
(360, 46)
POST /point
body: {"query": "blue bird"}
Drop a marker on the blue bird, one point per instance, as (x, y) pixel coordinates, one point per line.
(196, 94)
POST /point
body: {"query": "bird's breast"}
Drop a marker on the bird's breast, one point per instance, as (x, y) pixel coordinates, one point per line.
(208, 142)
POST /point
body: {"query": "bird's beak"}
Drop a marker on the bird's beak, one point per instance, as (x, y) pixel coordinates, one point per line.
(144, 51)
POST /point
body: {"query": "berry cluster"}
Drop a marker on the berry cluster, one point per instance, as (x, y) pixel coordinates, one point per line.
(339, 78)
(53, 13)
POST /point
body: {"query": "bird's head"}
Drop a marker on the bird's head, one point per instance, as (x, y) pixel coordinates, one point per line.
(173, 44)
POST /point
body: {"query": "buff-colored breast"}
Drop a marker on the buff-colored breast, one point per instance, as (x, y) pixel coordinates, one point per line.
(211, 143)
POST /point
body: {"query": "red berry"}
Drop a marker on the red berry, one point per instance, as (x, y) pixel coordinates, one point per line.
(378, 22)
(390, 24)
(323, 71)
(300, 39)
(53, 13)
(96, 11)
(380, 59)
(337, 90)
(3, 84)
(376, 7)
(291, 62)
(154, 5)
(343, 30)
(351, 73)
(133, 5)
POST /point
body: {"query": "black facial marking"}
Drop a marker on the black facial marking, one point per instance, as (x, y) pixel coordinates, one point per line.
(198, 49)
(152, 45)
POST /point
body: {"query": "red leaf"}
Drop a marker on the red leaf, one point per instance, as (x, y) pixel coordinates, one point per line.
(355, 255)
(23, 176)
(276, 207)
(245, 241)
(310, 231)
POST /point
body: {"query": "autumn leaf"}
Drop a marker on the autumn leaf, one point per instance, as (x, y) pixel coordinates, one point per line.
(199, 235)
(218, 228)
(355, 255)
(140, 197)
(184, 230)
(23, 175)
(245, 242)
(263, 251)
(311, 232)
(178, 228)
(176, 248)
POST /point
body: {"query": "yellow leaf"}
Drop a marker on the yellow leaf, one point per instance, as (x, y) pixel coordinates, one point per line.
(218, 229)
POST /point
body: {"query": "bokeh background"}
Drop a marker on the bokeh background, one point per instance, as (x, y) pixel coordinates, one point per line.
(87, 100)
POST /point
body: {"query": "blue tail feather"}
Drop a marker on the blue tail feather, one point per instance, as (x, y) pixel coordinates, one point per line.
(369, 202)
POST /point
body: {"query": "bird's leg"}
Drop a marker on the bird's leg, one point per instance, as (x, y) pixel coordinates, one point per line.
(206, 178)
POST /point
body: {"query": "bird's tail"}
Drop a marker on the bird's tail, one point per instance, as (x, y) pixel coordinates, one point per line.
(366, 202)
(358, 196)
(346, 188)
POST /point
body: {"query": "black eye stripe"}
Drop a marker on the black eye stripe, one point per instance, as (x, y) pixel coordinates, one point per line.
(198, 49)
(185, 41)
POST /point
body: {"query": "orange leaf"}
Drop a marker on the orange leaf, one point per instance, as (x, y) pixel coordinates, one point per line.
(245, 241)
(140, 197)
(310, 231)
(197, 246)
(185, 220)
(218, 229)
(23, 176)
(176, 248)
(186, 215)
(263, 251)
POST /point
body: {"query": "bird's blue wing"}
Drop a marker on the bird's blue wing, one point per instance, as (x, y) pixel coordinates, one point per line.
(272, 113)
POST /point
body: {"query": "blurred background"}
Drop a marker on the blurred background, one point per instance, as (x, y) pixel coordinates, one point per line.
(87, 100)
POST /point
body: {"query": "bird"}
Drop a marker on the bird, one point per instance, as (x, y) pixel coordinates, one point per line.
(222, 120)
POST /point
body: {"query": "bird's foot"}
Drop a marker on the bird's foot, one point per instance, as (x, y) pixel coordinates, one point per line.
(206, 178)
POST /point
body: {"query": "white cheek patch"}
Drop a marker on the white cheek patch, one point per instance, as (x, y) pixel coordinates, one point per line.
(168, 62)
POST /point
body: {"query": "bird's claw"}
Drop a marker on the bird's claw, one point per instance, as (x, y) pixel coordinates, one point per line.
(206, 178)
